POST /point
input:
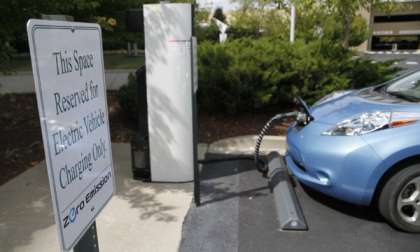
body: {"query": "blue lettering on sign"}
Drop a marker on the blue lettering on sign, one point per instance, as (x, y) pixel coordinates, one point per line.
(75, 211)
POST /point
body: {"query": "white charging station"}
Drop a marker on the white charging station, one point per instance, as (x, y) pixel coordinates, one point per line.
(169, 49)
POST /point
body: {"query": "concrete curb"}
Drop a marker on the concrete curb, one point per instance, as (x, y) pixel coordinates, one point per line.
(245, 145)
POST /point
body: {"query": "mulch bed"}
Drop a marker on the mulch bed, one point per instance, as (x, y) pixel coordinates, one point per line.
(21, 140)
(213, 127)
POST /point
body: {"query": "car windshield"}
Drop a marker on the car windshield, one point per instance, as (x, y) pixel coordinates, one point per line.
(407, 88)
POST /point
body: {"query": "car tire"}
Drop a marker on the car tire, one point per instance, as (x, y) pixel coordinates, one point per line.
(399, 201)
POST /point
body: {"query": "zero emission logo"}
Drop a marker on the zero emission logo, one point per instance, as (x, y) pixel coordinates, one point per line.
(74, 211)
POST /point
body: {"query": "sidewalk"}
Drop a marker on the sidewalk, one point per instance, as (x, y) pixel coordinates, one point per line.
(140, 217)
(137, 218)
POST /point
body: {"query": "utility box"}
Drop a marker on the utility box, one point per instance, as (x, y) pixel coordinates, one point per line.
(168, 31)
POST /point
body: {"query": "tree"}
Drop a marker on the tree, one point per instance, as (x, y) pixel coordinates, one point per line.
(257, 19)
(348, 10)
(201, 15)
(15, 14)
(317, 21)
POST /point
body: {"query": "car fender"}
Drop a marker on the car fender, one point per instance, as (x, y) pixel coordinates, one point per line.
(387, 164)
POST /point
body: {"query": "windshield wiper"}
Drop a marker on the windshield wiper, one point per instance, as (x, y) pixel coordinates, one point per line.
(405, 96)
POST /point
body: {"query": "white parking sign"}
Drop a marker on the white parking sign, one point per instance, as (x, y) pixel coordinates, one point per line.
(67, 63)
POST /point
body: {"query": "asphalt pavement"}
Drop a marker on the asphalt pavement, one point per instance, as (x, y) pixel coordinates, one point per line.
(406, 61)
(238, 214)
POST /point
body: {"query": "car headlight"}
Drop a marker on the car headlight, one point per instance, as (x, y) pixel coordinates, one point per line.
(372, 121)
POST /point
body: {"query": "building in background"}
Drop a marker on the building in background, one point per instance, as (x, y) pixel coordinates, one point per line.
(399, 30)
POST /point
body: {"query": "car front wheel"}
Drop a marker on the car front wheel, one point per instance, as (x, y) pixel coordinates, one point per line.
(399, 201)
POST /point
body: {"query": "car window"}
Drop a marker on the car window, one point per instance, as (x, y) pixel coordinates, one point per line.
(407, 87)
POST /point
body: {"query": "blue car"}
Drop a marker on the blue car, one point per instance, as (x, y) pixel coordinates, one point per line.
(363, 147)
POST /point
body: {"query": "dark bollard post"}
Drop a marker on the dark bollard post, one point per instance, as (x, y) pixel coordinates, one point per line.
(142, 121)
(140, 143)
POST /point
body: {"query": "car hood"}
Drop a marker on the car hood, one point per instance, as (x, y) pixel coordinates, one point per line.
(350, 104)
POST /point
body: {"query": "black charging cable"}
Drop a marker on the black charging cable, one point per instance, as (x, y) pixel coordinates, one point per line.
(261, 164)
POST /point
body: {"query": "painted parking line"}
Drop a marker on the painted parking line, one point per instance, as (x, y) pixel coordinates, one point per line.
(394, 52)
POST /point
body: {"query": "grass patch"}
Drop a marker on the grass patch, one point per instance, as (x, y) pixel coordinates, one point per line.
(112, 61)
(122, 61)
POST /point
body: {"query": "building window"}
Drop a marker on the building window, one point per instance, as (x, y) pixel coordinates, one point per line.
(401, 42)
(397, 18)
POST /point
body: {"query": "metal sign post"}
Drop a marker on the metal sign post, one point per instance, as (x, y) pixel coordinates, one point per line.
(89, 241)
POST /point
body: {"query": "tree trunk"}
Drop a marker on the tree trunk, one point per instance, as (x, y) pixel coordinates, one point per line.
(346, 31)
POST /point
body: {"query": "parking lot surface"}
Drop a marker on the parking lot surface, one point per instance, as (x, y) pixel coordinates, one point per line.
(407, 62)
(238, 214)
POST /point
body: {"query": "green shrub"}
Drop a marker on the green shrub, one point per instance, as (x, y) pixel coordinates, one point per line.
(237, 32)
(247, 74)
(112, 42)
(209, 33)
(118, 40)
(258, 22)
(127, 97)
(6, 52)
(363, 72)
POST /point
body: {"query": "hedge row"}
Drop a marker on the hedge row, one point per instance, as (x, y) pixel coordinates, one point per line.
(248, 74)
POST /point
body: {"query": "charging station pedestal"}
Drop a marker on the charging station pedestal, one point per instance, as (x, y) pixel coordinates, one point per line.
(169, 50)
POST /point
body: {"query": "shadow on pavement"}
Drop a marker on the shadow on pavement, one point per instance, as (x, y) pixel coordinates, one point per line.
(239, 214)
(361, 212)
(27, 218)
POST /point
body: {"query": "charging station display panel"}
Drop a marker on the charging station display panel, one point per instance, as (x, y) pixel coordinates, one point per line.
(68, 68)
(168, 41)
